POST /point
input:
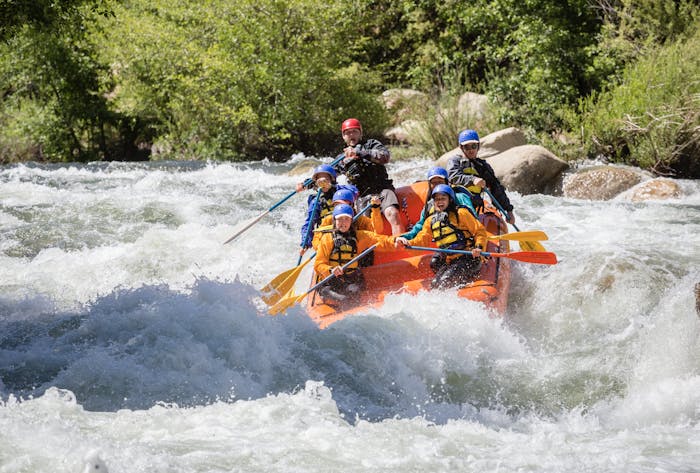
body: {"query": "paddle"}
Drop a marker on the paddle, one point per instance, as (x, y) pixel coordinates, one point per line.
(525, 245)
(538, 257)
(521, 236)
(292, 299)
(246, 224)
(283, 282)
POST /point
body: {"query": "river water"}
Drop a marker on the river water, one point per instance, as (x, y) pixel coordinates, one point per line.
(130, 335)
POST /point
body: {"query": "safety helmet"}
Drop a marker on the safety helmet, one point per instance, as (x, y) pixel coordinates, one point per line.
(343, 209)
(355, 191)
(351, 123)
(468, 136)
(327, 168)
(344, 194)
(437, 171)
(444, 189)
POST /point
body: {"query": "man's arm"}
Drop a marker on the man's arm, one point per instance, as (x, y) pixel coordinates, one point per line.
(499, 192)
(373, 150)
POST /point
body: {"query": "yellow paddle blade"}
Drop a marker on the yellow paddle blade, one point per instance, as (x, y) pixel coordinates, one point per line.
(282, 284)
(275, 294)
(531, 246)
(286, 302)
(530, 235)
(324, 228)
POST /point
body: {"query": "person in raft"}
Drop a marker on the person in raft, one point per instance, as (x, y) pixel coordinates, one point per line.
(454, 228)
(364, 165)
(375, 223)
(475, 173)
(438, 175)
(324, 178)
(337, 248)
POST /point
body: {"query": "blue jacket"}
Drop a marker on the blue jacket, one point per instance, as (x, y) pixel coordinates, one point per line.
(307, 235)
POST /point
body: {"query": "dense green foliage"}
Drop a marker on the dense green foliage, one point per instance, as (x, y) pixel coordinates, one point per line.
(530, 56)
(117, 79)
(250, 78)
(652, 117)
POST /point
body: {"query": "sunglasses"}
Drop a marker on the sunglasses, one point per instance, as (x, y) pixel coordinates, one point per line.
(471, 146)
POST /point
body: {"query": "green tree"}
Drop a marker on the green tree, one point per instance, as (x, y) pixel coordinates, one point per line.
(51, 101)
(245, 80)
(530, 56)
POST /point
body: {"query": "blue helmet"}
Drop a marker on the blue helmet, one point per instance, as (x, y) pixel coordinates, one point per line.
(437, 171)
(355, 190)
(468, 136)
(343, 209)
(444, 189)
(327, 168)
(344, 194)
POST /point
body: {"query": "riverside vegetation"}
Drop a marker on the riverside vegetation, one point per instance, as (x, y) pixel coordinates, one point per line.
(84, 80)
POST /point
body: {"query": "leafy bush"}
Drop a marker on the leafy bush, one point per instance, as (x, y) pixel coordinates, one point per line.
(652, 118)
(245, 80)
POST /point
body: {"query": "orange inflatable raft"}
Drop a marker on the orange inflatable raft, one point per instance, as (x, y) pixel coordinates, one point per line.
(409, 270)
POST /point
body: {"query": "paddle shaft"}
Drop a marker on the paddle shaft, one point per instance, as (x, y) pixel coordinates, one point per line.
(285, 199)
(287, 279)
(524, 244)
(331, 276)
(521, 236)
(499, 207)
(538, 257)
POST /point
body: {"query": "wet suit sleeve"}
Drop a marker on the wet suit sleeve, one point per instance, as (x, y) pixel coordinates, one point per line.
(424, 237)
(367, 239)
(323, 254)
(499, 192)
(326, 222)
(416, 228)
(373, 150)
(377, 220)
(469, 223)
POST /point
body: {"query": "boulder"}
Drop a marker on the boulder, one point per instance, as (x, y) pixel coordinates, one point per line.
(655, 189)
(473, 107)
(403, 132)
(528, 169)
(500, 141)
(600, 183)
(401, 102)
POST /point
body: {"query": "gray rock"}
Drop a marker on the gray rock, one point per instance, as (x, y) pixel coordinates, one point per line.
(600, 183)
(654, 189)
(500, 141)
(472, 106)
(528, 169)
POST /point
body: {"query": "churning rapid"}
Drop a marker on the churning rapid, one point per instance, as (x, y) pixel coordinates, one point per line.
(130, 335)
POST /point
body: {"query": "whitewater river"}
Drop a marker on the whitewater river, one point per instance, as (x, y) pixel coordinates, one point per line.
(131, 337)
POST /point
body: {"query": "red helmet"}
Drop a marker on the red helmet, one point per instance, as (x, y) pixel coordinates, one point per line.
(351, 123)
